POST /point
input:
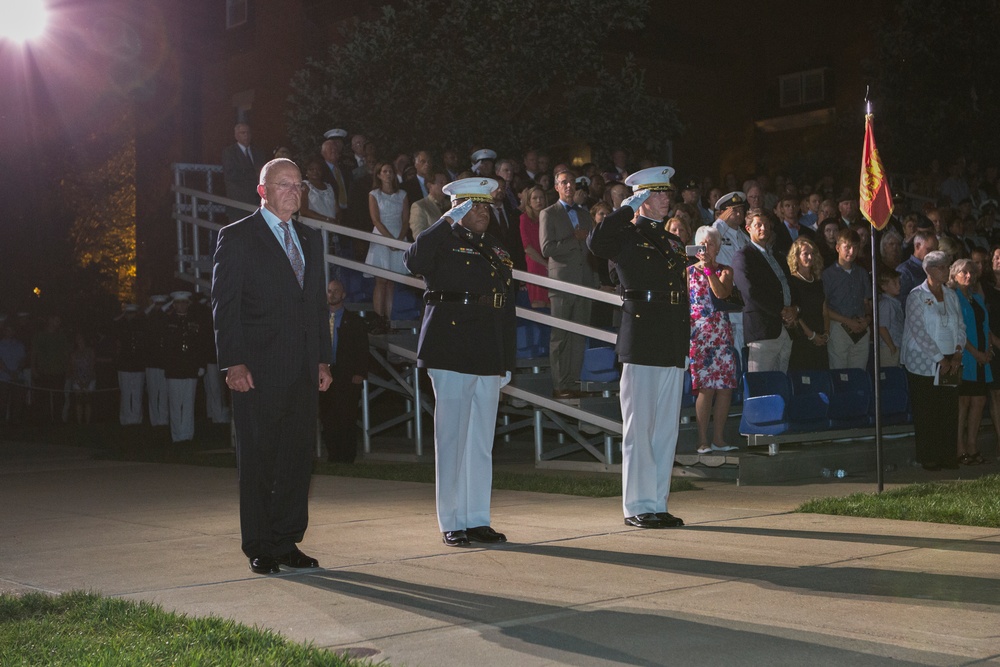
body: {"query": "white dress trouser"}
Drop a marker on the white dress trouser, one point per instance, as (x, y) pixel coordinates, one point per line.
(214, 405)
(465, 418)
(771, 354)
(156, 388)
(181, 392)
(130, 385)
(651, 407)
(844, 352)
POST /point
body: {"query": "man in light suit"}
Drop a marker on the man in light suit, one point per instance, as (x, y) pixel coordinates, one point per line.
(425, 211)
(273, 338)
(240, 170)
(563, 231)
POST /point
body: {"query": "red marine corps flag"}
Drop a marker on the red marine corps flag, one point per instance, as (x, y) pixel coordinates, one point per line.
(876, 200)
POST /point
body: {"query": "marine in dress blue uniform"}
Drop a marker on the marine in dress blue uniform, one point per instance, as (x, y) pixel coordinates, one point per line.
(652, 344)
(467, 343)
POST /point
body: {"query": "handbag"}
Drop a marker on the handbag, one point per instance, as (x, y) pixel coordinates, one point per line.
(732, 302)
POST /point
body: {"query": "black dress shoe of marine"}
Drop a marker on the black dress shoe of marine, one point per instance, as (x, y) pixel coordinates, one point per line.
(648, 520)
(485, 534)
(669, 520)
(264, 565)
(455, 538)
(296, 558)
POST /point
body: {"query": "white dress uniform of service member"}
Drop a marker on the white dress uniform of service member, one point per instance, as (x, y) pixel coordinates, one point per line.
(731, 210)
(156, 381)
(467, 343)
(130, 365)
(183, 363)
(652, 344)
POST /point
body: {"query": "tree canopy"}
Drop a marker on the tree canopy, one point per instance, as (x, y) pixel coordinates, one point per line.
(508, 76)
(936, 80)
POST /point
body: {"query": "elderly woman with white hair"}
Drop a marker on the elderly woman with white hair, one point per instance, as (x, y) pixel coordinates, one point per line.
(933, 341)
(712, 354)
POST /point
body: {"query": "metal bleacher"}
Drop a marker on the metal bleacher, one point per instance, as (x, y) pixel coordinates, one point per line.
(577, 434)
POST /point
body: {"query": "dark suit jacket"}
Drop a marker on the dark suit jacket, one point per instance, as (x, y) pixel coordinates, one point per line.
(241, 178)
(262, 317)
(510, 238)
(475, 339)
(352, 348)
(411, 187)
(655, 333)
(761, 292)
(783, 238)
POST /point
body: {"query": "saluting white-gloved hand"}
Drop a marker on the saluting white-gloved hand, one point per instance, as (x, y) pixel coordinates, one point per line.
(635, 201)
(458, 211)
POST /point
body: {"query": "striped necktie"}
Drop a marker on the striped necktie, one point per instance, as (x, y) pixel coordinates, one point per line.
(294, 256)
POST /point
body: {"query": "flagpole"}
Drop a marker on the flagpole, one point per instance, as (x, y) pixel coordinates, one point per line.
(876, 338)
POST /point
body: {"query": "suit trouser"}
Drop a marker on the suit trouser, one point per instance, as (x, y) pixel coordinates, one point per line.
(844, 352)
(275, 437)
(771, 354)
(181, 392)
(338, 412)
(935, 419)
(651, 407)
(565, 348)
(465, 417)
(215, 406)
(156, 389)
(130, 386)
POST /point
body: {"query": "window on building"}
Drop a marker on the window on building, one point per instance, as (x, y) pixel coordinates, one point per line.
(236, 13)
(806, 87)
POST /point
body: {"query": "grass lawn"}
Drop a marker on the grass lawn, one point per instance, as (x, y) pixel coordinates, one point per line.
(968, 503)
(81, 629)
(212, 448)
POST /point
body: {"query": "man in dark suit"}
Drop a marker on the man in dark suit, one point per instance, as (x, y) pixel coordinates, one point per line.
(653, 343)
(763, 281)
(273, 338)
(338, 407)
(416, 188)
(789, 230)
(240, 170)
(562, 233)
(505, 225)
(467, 346)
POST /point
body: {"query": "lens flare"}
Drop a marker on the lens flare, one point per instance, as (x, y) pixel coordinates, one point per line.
(24, 20)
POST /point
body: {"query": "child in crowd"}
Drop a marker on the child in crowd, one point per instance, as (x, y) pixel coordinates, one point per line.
(890, 317)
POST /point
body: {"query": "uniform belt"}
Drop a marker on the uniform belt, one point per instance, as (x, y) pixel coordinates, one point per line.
(493, 300)
(675, 297)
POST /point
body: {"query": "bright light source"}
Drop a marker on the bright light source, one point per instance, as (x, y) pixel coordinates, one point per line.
(23, 20)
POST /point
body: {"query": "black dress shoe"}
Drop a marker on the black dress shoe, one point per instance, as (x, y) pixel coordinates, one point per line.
(455, 538)
(485, 534)
(296, 558)
(669, 520)
(264, 565)
(648, 520)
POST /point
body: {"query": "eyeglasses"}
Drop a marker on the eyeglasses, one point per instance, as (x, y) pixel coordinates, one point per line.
(285, 186)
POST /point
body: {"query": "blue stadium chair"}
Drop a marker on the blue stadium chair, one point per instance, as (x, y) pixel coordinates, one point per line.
(852, 394)
(600, 365)
(406, 303)
(771, 408)
(895, 395)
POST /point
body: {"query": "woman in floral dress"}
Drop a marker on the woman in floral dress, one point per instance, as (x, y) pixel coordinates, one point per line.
(713, 357)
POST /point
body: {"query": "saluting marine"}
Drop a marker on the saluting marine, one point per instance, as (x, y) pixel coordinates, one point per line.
(183, 363)
(467, 346)
(652, 344)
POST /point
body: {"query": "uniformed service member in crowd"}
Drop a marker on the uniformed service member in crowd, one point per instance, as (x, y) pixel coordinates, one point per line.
(652, 344)
(216, 406)
(467, 346)
(183, 363)
(156, 381)
(130, 364)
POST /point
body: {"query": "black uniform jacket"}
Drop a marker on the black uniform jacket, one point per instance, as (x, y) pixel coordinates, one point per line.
(478, 339)
(647, 258)
(184, 346)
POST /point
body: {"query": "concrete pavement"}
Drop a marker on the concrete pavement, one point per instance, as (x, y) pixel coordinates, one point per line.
(746, 582)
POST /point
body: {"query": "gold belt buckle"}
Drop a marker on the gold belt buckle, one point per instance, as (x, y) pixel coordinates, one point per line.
(498, 300)
(675, 297)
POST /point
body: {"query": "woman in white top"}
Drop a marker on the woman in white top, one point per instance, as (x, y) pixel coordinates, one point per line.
(390, 211)
(320, 201)
(933, 340)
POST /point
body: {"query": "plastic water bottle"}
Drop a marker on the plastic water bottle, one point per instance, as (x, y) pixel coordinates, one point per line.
(841, 473)
(825, 472)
